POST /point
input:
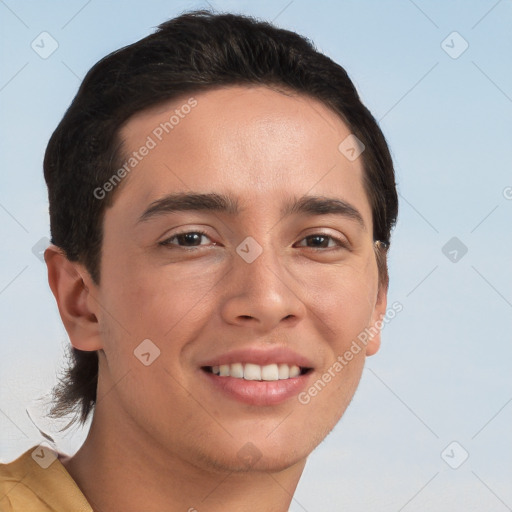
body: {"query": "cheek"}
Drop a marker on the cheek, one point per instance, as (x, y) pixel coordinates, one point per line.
(342, 301)
(151, 300)
(343, 306)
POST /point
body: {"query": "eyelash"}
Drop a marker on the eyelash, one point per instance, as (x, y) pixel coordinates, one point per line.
(166, 243)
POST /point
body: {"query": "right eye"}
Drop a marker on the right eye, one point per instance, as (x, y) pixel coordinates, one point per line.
(185, 238)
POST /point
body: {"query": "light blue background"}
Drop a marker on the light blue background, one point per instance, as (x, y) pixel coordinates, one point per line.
(443, 372)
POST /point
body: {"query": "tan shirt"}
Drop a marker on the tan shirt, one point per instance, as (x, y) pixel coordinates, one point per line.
(26, 486)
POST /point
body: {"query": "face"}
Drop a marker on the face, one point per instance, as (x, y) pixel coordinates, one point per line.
(241, 283)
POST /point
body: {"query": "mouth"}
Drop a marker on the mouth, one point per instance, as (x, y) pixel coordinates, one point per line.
(256, 375)
(257, 385)
(255, 372)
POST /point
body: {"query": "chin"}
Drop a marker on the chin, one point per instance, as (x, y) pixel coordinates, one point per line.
(265, 464)
(260, 455)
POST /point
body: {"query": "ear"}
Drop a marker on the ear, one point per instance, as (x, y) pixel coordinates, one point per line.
(376, 323)
(71, 284)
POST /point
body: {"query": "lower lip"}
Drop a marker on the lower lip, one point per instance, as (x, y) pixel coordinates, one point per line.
(257, 392)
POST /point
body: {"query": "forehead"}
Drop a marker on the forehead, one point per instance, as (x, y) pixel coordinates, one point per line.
(255, 143)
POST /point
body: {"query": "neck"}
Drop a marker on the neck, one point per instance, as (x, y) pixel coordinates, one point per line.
(118, 468)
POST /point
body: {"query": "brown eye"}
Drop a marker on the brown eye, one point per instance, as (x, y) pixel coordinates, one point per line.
(187, 239)
(322, 241)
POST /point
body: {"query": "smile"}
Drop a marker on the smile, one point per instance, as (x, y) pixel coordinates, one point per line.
(251, 371)
(257, 376)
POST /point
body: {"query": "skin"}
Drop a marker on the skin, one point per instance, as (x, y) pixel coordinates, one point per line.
(161, 438)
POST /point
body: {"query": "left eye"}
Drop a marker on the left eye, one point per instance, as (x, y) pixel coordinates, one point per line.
(188, 237)
(320, 241)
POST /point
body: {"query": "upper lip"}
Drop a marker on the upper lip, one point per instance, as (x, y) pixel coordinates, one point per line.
(260, 356)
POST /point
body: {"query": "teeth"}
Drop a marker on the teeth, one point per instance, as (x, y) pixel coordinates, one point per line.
(237, 370)
(270, 372)
(251, 371)
(294, 371)
(284, 371)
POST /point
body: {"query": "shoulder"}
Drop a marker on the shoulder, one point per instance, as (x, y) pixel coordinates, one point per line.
(38, 482)
(12, 475)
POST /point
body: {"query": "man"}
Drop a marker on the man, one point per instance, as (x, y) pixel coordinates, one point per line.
(221, 206)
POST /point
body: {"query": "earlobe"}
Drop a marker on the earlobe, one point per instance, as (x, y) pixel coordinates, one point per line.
(69, 286)
(373, 345)
(379, 313)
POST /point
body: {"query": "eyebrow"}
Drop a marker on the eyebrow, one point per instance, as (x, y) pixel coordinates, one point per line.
(225, 203)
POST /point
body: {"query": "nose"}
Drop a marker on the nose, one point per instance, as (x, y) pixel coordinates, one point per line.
(262, 294)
